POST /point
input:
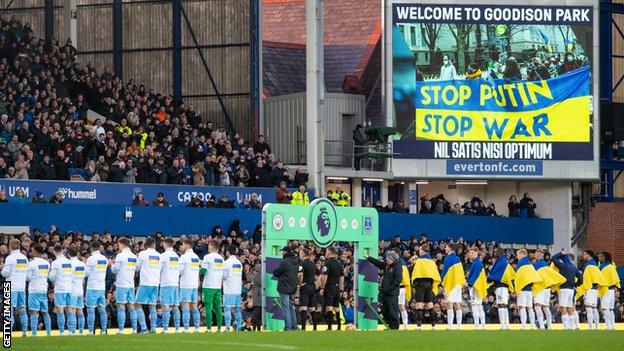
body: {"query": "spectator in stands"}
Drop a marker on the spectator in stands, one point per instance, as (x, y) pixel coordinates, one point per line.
(280, 174)
(467, 209)
(301, 177)
(359, 139)
(439, 205)
(527, 204)
(102, 169)
(195, 202)
(513, 206)
(300, 197)
(38, 198)
(254, 202)
(46, 169)
(399, 207)
(426, 208)
(491, 210)
(260, 175)
(423, 199)
(62, 165)
(57, 198)
(116, 172)
(389, 208)
(282, 195)
(3, 198)
(3, 167)
(378, 206)
(225, 203)
(456, 210)
(479, 209)
(20, 196)
(160, 201)
(91, 172)
(139, 200)
(261, 146)
(21, 167)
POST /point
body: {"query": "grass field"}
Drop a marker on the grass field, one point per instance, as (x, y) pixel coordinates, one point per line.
(346, 340)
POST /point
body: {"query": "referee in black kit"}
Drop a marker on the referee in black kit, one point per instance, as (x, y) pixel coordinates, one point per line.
(307, 289)
(332, 283)
(390, 286)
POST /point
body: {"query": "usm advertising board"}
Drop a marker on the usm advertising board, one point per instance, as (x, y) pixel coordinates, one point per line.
(484, 90)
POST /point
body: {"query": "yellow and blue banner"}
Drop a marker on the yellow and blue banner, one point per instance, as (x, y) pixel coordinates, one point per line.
(101, 265)
(66, 267)
(550, 277)
(43, 269)
(21, 263)
(502, 272)
(153, 260)
(499, 110)
(425, 267)
(453, 273)
(132, 262)
(525, 275)
(477, 278)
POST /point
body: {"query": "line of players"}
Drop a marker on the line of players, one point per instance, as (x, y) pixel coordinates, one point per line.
(176, 276)
(532, 282)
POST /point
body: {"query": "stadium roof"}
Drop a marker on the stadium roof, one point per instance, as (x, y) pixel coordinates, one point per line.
(352, 30)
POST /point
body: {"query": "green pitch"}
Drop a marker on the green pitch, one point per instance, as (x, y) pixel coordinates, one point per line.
(345, 340)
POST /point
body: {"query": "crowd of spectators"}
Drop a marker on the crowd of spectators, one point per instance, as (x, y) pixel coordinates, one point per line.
(144, 137)
(249, 253)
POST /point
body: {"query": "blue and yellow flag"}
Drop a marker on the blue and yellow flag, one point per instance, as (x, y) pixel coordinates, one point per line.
(502, 272)
(592, 275)
(405, 282)
(21, 263)
(425, 267)
(609, 272)
(453, 273)
(550, 277)
(477, 278)
(525, 275)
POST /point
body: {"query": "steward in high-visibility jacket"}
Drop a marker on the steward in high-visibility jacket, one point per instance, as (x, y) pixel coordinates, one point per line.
(300, 197)
(343, 199)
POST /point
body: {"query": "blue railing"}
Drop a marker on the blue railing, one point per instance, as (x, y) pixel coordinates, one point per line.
(181, 220)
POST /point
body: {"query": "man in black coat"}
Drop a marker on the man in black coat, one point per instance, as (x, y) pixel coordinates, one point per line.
(286, 274)
(390, 286)
(260, 176)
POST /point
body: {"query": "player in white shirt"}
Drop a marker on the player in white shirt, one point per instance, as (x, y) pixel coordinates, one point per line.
(232, 288)
(96, 288)
(125, 267)
(14, 270)
(169, 282)
(189, 283)
(212, 269)
(77, 294)
(148, 265)
(37, 277)
(61, 275)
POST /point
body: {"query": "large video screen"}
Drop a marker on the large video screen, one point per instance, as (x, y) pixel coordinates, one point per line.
(493, 90)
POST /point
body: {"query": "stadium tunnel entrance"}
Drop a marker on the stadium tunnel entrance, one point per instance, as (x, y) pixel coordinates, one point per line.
(323, 224)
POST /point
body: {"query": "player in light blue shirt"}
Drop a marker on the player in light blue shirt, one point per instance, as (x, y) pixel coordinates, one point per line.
(61, 275)
(169, 282)
(148, 266)
(37, 276)
(96, 288)
(125, 268)
(14, 270)
(77, 294)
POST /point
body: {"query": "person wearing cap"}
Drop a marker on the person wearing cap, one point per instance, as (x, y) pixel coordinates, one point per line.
(390, 286)
(286, 274)
(38, 198)
(160, 200)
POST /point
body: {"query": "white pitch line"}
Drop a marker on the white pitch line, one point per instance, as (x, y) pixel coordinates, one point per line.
(225, 343)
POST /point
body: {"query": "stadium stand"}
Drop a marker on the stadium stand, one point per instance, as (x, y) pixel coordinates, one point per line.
(46, 131)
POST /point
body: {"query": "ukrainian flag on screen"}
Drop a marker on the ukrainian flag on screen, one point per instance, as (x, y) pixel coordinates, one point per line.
(173, 262)
(477, 278)
(425, 267)
(43, 269)
(237, 268)
(609, 272)
(80, 271)
(153, 260)
(21, 263)
(453, 273)
(502, 272)
(195, 262)
(66, 267)
(592, 275)
(550, 277)
(132, 262)
(218, 263)
(526, 274)
(101, 265)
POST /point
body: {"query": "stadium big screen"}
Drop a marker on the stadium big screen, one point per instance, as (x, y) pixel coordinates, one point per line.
(482, 90)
